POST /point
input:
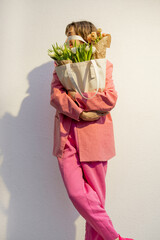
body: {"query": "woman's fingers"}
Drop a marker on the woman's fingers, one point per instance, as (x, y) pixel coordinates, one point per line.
(72, 94)
(91, 116)
(99, 90)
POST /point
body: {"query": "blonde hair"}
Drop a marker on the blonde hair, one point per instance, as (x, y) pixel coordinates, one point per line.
(82, 28)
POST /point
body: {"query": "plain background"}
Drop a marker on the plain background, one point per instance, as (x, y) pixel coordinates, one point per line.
(33, 201)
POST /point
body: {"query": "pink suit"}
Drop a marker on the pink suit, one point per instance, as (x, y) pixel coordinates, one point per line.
(82, 149)
(88, 132)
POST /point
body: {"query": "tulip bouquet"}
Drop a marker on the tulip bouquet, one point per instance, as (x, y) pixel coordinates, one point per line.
(93, 49)
(64, 54)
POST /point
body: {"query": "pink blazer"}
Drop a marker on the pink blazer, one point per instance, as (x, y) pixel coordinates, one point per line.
(95, 138)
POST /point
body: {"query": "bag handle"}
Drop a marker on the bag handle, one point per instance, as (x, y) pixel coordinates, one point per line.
(76, 37)
(74, 83)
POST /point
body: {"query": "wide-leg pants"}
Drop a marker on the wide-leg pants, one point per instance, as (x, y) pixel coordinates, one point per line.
(86, 188)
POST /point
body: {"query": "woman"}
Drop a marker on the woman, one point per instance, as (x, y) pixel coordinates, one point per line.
(83, 144)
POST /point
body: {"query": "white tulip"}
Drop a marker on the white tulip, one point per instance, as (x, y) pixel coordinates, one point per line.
(51, 54)
(93, 49)
(74, 49)
(59, 51)
(87, 48)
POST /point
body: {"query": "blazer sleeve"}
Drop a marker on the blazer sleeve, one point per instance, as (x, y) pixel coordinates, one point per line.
(60, 100)
(103, 101)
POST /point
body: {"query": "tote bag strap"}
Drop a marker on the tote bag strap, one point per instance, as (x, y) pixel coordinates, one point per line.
(75, 84)
(76, 37)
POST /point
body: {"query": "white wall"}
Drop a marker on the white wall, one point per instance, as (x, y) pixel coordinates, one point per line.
(33, 200)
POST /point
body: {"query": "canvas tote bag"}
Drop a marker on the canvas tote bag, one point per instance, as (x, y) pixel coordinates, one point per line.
(83, 76)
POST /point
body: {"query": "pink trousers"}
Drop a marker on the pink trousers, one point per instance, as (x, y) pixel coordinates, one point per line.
(86, 188)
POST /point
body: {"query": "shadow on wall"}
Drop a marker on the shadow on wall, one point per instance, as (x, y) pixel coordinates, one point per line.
(39, 207)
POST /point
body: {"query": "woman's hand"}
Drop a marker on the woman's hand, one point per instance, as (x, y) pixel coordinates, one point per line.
(92, 116)
(71, 94)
